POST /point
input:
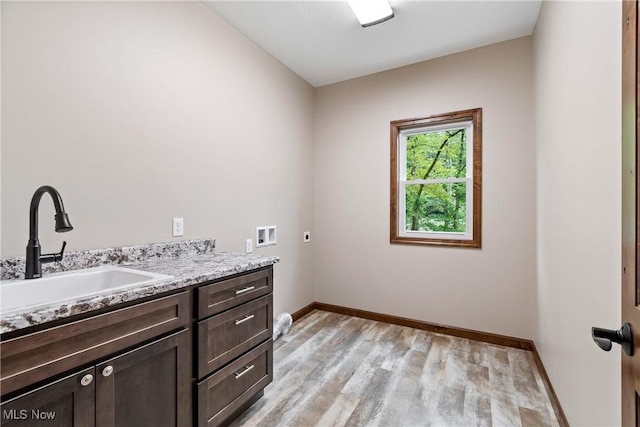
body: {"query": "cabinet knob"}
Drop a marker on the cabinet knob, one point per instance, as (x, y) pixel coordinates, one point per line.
(86, 380)
(107, 371)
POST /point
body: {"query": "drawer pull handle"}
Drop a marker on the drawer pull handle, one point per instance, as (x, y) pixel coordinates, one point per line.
(251, 316)
(86, 380)
(246, 369)
(247, 289)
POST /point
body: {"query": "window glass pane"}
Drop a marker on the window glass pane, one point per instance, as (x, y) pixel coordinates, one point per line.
(436, 207)
(438, 154)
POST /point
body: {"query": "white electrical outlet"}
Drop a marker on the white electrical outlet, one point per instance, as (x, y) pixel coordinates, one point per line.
(306, 236)
(248, 246)
(178, 227)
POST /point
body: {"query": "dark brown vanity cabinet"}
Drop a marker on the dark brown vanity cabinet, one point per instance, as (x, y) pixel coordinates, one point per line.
(152, 364)
(235, 350)
(147, 384)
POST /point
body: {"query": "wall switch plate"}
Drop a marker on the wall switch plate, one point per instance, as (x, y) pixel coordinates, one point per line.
(248, 246)
(178, 227)
(306, 236)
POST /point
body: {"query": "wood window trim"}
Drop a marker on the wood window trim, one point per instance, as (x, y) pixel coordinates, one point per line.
(397, 126)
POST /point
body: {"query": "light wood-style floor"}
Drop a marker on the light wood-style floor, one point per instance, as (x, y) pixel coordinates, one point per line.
(335, 370)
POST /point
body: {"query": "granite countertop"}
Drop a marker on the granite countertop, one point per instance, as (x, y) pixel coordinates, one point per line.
(188, 264)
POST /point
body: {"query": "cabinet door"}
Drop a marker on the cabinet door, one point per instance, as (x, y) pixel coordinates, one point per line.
(149, 386)
(67, 402)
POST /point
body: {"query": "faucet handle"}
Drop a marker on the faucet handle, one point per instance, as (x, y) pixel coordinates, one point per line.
(58, 256)
(53, 257)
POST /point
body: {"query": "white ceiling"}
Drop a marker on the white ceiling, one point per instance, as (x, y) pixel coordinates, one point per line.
(322, 41)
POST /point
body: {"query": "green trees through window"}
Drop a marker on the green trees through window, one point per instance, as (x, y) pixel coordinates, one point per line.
(436, 177)
(439, 206)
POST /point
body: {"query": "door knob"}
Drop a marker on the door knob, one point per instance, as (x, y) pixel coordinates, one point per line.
(623, 336)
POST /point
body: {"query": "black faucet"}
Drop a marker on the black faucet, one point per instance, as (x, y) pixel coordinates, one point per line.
(34, 259)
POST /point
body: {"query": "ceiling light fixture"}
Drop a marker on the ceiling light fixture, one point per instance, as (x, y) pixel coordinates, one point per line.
(371, 12)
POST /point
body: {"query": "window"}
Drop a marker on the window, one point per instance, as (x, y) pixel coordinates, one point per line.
(436, 179)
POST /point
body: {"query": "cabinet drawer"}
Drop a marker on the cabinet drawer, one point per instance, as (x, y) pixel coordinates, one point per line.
(226, 336)
(34, 357)
(221, 296)
(224, 392)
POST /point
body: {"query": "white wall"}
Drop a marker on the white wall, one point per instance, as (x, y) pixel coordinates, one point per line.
(489, 289)
(577, 57)
(139, 112)
(143, 111)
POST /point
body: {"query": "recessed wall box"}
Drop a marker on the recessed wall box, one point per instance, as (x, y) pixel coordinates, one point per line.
(266, 236)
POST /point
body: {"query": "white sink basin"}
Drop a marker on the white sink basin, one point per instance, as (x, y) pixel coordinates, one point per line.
(22, 295)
